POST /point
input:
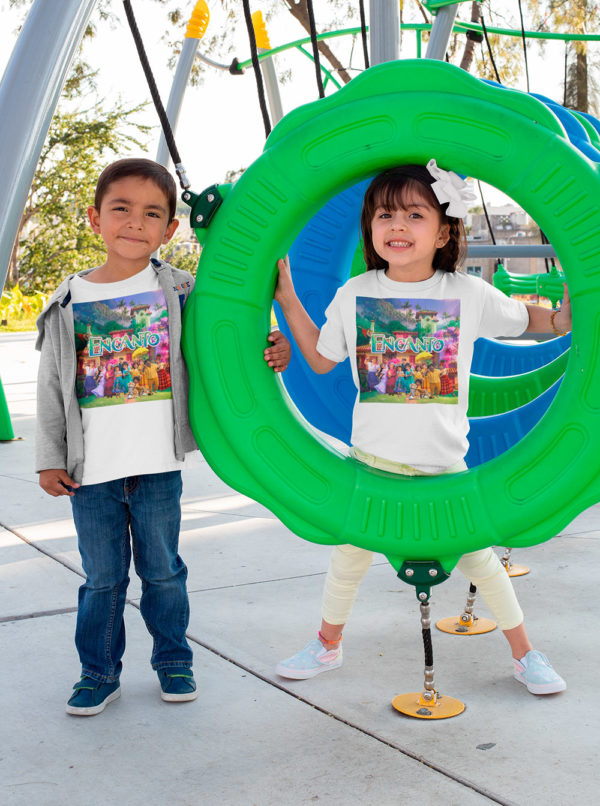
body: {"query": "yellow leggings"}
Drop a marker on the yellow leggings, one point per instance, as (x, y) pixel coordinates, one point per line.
(349, 564)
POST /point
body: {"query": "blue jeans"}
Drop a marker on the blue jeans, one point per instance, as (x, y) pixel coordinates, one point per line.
(110, 518)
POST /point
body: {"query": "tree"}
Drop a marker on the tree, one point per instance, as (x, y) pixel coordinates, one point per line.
(469, 51)
(54, 237)
(580, 17)
(179, 254)
(567, 16)
(506, 52)
(330, 13)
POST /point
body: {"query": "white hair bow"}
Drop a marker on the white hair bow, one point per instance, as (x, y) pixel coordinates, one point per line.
(449, 187)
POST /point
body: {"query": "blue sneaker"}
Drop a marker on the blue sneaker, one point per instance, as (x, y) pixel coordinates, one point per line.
(535, 672)
(310, 661)
(177, 684)
(91, 697)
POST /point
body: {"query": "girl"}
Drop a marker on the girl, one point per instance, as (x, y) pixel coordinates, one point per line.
(408, 380)
(90, 379)
(391, 378)
(110, 379)
(413, 244)
(380, 387)
(372, 367)
(445, 382)
(98, 390)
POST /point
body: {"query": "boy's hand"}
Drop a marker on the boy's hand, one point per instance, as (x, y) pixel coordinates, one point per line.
(57, 482)
(278, 356)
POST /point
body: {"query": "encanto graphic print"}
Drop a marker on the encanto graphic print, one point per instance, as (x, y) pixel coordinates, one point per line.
(122, 347)
(407, 350)
(408, 330)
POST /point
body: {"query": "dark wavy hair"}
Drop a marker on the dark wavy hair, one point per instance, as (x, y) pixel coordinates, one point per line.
(142, 168)
(395, 189)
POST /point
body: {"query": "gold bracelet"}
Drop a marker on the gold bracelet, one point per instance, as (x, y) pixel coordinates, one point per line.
(556, 332)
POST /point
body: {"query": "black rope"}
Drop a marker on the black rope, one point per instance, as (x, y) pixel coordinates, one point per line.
(427, 646)
(544, 239)
(489, 47)
(524, 44)
(164, 120)
(315, 47)
(363, 32)
(256, 65)
(487, 218)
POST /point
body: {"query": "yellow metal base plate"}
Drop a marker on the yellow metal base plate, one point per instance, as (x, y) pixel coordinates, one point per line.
(516, 570)
(412, 705)
(454, 626)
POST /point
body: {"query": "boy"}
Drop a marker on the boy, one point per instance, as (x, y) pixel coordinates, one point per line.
(121, 464)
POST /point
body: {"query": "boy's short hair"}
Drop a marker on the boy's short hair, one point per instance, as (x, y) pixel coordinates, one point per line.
(143, 168)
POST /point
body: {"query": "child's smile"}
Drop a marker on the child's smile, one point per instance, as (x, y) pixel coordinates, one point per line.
(407, 238)
(133, 221)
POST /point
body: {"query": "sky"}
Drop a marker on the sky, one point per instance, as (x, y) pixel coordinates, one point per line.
(220, 126)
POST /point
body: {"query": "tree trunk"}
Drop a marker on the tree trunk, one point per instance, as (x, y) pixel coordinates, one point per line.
(581, 80)
(576, 83)
(469, 51)
(299, 10)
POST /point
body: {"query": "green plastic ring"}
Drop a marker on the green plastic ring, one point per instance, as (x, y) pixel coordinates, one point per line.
(394, 113)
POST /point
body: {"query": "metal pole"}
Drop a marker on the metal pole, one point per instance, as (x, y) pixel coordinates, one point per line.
(441, 31)
(180, 80)
(384, 31)
(510, 250)
(272, 88)
(29, 92)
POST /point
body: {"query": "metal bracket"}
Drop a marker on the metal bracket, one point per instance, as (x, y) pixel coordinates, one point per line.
(423, 575)
(204, 206)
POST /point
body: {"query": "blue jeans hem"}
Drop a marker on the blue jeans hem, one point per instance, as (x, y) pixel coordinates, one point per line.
(99, 678)
(170, 664)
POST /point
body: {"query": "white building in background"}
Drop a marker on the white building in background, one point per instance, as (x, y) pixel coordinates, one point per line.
(510, 225)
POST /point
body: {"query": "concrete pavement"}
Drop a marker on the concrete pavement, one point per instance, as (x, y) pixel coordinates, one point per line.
(251, 737)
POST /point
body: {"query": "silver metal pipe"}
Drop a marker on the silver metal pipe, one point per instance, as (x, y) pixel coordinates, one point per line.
(510, 250)
(384, 31)
(29, 92)
(272, 88)
(218, 65)
(178, 87)
(441, 31)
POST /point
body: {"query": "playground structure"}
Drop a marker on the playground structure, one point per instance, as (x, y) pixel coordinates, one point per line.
(260, 196)
(496, 137)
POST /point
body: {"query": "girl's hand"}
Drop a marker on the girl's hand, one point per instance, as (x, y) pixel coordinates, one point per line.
(540, 319)
(285, 287)
(562, 320)
(278, 356)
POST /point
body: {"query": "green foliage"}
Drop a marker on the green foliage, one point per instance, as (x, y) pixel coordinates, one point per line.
(19, 311)
(54, 236)
(178, 254)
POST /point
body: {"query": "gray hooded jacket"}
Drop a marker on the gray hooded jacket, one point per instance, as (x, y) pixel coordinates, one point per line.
(59, 430)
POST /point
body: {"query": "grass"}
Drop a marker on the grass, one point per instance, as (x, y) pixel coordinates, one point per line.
(93, 402)
(16, 326)
(375, 397)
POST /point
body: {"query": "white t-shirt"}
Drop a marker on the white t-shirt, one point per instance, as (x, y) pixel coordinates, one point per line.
(123, 377)
(410, 348)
